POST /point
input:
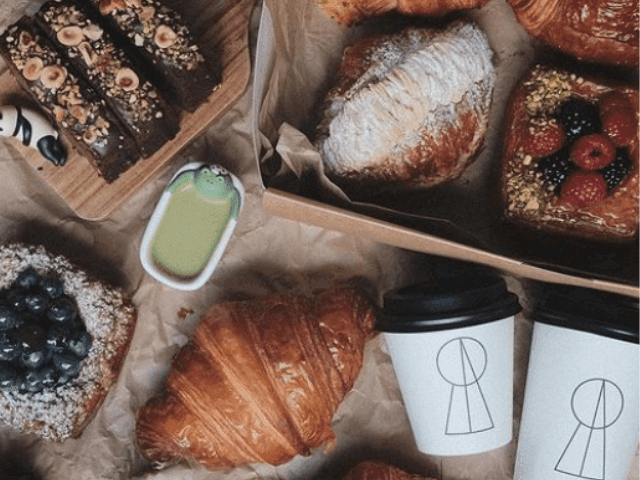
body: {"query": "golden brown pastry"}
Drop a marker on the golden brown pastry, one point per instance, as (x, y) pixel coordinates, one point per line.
(409, 110)
(570, 160)
(593, 30)
(259, 382)
(351, 11)
(375, 470)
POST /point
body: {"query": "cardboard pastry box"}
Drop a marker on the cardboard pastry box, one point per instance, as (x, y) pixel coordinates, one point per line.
(299, 48)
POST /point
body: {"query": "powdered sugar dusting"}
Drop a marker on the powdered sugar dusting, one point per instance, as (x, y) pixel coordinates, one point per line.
(414, 81)
(107, 314)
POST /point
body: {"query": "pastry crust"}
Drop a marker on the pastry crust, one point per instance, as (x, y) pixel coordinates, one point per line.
(524, 197)
(64, 411)
(352, 11)
(259, 382)
(409, 110)
(594, 30)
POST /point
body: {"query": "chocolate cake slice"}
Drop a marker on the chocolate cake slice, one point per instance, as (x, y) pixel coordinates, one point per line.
(77, 32)
(157, 33)
(77, 110)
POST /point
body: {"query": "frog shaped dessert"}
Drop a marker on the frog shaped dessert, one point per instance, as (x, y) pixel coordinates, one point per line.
(191, 225)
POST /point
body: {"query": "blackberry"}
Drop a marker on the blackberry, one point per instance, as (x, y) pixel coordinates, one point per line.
(555, 168)
(578, 118)
(618, 169)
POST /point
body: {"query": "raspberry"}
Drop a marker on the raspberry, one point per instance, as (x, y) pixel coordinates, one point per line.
(578, 118)
(618, 169)
(592, 152)
(543, 139)
(619, 121)
(582, 188)
(614, 101)
(555, 168)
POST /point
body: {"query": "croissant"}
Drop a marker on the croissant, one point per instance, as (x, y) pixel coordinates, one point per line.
(259, 381)
(593, 30)
(348, 12)
(376, 470)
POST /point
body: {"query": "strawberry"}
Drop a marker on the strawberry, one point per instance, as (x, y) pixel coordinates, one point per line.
(582, 188)
(592, 152)
(542, 138)
(618, 119)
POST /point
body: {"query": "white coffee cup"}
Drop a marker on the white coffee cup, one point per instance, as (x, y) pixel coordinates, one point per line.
(451, 344)
(580, 413)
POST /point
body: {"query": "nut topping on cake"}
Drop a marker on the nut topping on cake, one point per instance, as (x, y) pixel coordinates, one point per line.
(53, 76)
(164, 37)
(32, 69)
(127, 79)
(70, 36)
(108, 6)
(92, 32)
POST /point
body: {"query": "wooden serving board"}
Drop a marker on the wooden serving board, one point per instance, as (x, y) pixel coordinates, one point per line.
(78, 183)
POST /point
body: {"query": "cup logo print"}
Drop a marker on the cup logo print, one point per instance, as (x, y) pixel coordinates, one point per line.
(596, 404)
(462, 362)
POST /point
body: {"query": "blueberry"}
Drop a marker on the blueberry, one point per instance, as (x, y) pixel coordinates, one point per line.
(52, 286)
(56, 338)
(66, 364)
(27, 279)
(9, 318)
(16, 299)
(63, 379)
(36, 302)
(79, 344)
(31, 336)
(9, 378)
(579, 118)
(40, 379)
(34, 359)
(63, 309)
(10, 348)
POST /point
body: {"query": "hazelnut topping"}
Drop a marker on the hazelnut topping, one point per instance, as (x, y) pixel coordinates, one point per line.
(164, 37)
(70, 36)
(92, 32)
(53, 76)
(88, 55)
(127, 79)
(25, 40)
(108, 6)
(79, 113)
(32, 69)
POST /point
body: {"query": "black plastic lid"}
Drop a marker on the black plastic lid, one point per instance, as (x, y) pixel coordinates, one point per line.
(593, 311)
(447, 303)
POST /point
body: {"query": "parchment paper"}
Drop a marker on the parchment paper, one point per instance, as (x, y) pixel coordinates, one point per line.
(307, 46)
(266, 254)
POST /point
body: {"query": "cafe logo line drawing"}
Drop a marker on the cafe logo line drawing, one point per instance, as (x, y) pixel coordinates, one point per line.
(462, 362)
(596, 404)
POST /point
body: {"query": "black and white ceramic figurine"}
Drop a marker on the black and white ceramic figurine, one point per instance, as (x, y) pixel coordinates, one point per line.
(33, 130)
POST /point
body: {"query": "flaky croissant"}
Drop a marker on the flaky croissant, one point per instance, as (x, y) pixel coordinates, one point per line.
(348, 12)
(376, 470)
(593, 30)
(259, 381)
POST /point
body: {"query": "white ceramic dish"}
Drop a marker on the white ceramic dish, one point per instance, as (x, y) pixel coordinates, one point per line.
(191, 226)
